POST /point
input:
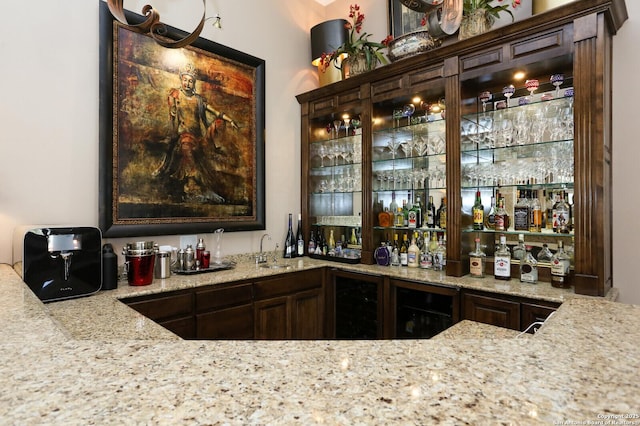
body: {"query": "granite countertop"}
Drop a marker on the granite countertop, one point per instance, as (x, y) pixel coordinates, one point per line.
(581, 366)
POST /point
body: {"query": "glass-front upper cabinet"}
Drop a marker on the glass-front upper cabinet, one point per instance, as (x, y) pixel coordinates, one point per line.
(335, 186)
(517, 162)
(408, 170)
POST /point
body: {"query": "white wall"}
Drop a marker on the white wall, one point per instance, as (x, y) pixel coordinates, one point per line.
(49, 110)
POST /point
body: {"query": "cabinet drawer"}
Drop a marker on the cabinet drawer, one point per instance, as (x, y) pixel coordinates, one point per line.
(288, 284)
(490, 310)
(166, 306)
(533, 312)
(217, 298)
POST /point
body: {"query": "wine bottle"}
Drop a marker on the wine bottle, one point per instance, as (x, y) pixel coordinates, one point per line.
(290, 241)
(404, 254)
(431, 213)
(300, 237)
(312, 243)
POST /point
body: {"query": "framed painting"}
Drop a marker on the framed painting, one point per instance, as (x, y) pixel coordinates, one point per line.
(181, 135)
(403, 20)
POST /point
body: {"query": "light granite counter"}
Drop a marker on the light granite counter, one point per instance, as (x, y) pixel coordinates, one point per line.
(582, 366)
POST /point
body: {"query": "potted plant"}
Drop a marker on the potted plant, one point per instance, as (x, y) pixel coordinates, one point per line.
(358, 53)
(479, 15)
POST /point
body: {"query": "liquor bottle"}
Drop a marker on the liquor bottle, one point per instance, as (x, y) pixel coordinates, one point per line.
(399, 218)
(431, 213)
(393, 207)
(442, 214)
(300, 237)
(405, 214)
(502, 261)
(331, 244)
(433, 248)
(501, 217)
(417, 208)
(560, 268)
(529, 268)
(440, 256)
(490, 219)
(521, 213)
(477, 260)
(404, 252)
(290, 241)
(562, 217)
(353, 240)
(520, 250)
(478, 213)
(545, 254)
(413, 254)
(321, 243)
(385, 218)
(311, 248)
(535, 214)
(549, 202)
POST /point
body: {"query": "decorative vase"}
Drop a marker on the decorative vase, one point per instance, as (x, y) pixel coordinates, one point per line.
(411, 44)
(357, 64)
(477, 22)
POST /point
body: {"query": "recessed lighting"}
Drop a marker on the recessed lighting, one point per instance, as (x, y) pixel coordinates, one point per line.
(519, 75)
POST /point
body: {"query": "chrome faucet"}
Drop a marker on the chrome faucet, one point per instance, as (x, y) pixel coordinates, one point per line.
(262, 257)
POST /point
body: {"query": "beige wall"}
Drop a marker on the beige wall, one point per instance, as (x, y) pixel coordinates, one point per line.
(49, 111)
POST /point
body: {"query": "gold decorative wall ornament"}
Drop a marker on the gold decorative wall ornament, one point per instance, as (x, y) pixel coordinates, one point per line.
(154, 27)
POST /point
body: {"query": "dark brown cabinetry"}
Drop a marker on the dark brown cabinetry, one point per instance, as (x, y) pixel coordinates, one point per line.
(173, 311)
(504, 311)
(289, 306)
(225, 313)
(573, 40)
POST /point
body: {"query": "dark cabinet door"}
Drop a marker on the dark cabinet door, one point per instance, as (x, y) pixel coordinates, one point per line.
(272, 319)
(182, 327)
(492, 310)
(306, 311)
(532, 313)
(230, 323)
(173, 311)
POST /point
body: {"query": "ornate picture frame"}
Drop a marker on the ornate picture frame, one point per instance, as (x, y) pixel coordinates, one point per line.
(181, 135)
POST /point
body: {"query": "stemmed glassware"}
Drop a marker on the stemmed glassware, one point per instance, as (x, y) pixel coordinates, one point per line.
(508, 92)
(408, 111)
(532, 86)
(336, 125)
(557, 80)
(346, 125)
(484, 98)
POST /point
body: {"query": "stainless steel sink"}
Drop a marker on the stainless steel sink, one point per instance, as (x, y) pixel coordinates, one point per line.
(275, 266)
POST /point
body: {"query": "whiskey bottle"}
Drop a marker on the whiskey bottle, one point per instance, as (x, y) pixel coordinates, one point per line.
(442, 214)
(560, 268)
(529, 268)
(490, 219)
(521, 213)
(520, 250)
(545, 254)
(562, 216)
(501, 217)
(502, 261)
(535, 214)
(477, 260)
(478, 213)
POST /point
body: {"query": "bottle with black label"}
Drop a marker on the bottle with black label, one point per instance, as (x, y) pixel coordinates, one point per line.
(521, 213)
(431, 213)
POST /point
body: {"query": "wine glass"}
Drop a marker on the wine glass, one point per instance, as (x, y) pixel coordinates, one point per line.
(484, 98)
(408, 111)
(557, 80)
(532, 86)
(346, 126)
(508, 91)
(336, 125)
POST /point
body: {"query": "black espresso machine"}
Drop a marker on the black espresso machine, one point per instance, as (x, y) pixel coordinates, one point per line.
(62, 263)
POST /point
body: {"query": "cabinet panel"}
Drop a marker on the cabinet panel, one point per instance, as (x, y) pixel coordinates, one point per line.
(272, 319)
(164, 306)
(183, 327)
(490, 310)
(216, 298)
(231, 323)
(534, 312)
(307, 315)
(288, 284)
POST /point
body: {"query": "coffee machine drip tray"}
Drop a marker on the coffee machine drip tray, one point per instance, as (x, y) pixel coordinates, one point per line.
(62, 263)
